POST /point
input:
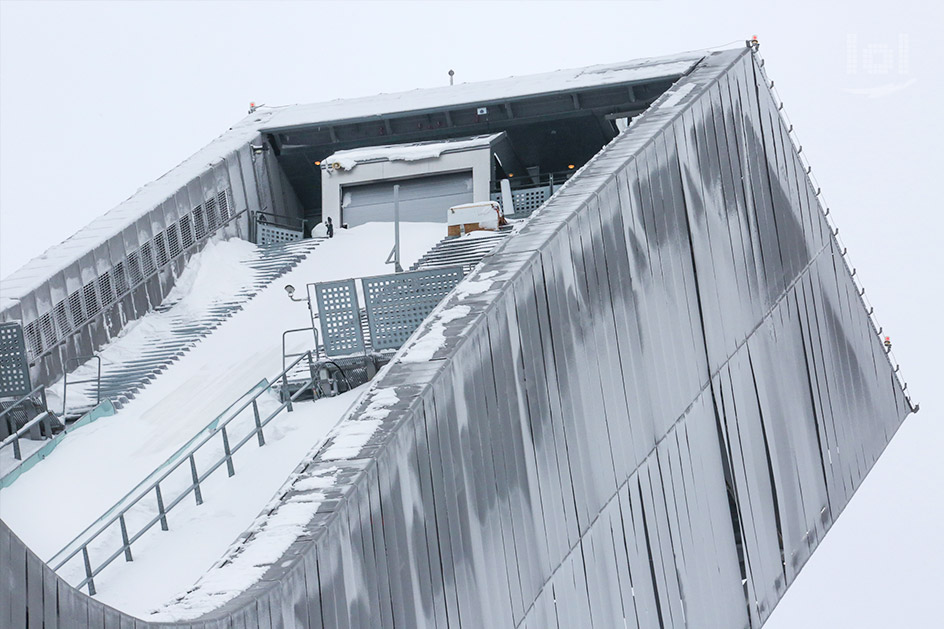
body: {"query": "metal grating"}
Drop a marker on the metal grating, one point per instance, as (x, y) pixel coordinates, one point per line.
(173, 241)
(269, 234)
(91, 300)
(75, 308)
(48, 330)
(199, 226)
(121, 280)
(211, 215)
(224, 206)
(398, 303)
(186, 234)
(339, 315)
(147, 259)
(134, 268)
(160, 248)
(105, 289)
(62, 319)
(14, 370)
(526, 200)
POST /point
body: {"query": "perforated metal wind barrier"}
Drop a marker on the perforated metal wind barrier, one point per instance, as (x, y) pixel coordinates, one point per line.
(267, 234)
(526, 200)
(665, 397)
(340, 317)
(397, 304)
(14, 367)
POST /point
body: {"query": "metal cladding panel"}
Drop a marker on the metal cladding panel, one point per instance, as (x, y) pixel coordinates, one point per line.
(667, 391)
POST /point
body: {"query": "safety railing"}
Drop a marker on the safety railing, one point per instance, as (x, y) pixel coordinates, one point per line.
(7, 415)
(76, 361)
(186, 456)
(42, 422)
(273, 228)
(285, 353)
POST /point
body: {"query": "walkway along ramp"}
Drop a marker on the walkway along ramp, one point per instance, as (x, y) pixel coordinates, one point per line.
(124, 375)
(646, 409)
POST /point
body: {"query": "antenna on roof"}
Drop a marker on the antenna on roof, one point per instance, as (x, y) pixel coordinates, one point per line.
(452, 73)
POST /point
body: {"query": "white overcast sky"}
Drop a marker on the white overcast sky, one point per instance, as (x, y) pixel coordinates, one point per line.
(97, 99)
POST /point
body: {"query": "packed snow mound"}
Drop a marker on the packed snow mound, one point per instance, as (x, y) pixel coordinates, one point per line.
(346, 160)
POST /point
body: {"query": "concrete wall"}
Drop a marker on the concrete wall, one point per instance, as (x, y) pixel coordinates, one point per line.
(651, 417)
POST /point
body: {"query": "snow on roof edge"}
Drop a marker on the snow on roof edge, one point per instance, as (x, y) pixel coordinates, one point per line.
(56, 258)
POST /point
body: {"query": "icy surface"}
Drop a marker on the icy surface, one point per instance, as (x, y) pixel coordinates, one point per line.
(434, 338)
(101, 462)
(406, 152)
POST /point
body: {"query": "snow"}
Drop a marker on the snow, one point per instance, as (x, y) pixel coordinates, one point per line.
(98, 464)
(352, 435)
(413, 152)
(245, 563)
(673, 98)
(27, 447)
(479, 93)
(484, 214)
(58, 257)
(477, 286)
(434, 338)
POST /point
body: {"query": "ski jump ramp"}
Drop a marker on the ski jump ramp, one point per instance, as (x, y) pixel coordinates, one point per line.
(645, 409)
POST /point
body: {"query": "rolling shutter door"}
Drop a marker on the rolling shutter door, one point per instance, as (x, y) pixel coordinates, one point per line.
(424, 199)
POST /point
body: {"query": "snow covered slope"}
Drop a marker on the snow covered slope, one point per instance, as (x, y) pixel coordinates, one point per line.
(98, 464)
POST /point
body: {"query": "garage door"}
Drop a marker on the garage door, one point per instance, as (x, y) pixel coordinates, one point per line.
(424, 199)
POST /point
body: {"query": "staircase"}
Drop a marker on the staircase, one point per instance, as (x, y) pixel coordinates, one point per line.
(465, 251)
(122, 380)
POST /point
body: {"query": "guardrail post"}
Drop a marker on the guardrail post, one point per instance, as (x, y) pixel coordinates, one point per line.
(196, 481)
(124, 537)
(229, 455)
(311, 372)
(88, 571)
(16, 447)
(288, 393)
(255, 412)
(160, 507)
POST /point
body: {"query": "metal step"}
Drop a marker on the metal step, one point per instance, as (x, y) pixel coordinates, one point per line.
(124, 379)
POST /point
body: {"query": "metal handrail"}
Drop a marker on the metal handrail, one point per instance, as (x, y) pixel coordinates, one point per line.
(81, 543)
(41, 390)
(526, 181)
(262, 218)
(65, 378)
(44, 420)
(286, 355)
